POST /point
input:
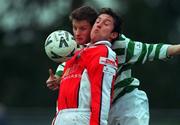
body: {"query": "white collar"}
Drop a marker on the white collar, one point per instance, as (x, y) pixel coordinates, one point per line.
(100, 42)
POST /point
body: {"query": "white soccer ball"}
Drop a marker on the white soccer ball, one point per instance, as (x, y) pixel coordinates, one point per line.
(60, 46)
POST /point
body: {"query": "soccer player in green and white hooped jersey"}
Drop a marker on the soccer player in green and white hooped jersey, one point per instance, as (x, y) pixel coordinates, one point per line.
(128, 99)
(130, 105)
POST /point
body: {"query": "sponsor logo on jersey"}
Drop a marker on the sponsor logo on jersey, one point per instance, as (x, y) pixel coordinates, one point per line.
(108, 62)
(72, 72)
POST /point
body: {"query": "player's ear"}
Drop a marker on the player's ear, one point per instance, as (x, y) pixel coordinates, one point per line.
(114, 35)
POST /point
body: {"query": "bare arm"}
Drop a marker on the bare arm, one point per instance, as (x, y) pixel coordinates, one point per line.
(173, 50)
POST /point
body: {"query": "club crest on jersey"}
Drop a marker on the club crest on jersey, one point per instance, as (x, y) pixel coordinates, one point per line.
(108, 62)
(66, 73)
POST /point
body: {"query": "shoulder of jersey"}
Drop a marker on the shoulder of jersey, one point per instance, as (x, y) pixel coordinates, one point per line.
(120, 42)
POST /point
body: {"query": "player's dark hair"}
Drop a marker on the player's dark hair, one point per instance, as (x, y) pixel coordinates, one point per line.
(84, 13)
(117, 19)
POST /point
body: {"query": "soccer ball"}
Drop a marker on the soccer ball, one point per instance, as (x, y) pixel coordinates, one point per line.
(60, 46)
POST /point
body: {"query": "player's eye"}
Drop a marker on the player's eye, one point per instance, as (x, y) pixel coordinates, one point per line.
(106, 24)
(83, 28)
(74, 28)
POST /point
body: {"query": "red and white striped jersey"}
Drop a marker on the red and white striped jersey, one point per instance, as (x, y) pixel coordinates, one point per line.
(87, 81)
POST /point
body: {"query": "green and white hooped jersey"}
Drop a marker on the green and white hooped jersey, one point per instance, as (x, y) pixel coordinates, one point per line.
(129, 53)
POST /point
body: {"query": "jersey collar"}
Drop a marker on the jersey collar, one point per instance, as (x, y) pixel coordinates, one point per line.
(100, 42)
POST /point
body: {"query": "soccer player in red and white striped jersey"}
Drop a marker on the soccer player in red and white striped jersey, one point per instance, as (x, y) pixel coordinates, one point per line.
(86, 87)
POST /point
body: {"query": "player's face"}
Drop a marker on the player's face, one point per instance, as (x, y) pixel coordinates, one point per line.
(81, 30)
(102, 29)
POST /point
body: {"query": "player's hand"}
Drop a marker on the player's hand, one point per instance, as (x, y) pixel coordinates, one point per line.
(52, 82)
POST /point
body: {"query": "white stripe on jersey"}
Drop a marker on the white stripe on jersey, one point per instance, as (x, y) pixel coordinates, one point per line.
(135, 82)
(145, 57)
(84, 91)
(61, 67)
(163, 52)
(107, 87)
(137, 52)
(152, 54)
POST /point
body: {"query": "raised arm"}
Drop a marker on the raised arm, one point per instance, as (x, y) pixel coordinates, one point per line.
(131, 52)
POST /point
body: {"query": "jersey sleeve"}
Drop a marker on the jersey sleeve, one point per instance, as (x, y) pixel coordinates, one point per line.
(101, 67)
(60, 69)
(140, 52)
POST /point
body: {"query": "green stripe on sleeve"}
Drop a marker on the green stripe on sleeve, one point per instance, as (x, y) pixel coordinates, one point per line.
(150, 49)
(59, 73)
(60, 69)
(159, 46)
(130, 50)
(143, 53)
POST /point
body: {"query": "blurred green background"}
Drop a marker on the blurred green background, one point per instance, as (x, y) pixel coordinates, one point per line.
(24, 26)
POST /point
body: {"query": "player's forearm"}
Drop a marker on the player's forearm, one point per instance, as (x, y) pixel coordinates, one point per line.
(173, 50)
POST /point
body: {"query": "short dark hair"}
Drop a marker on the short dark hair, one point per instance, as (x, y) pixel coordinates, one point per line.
(117, 19)
(84, 13)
